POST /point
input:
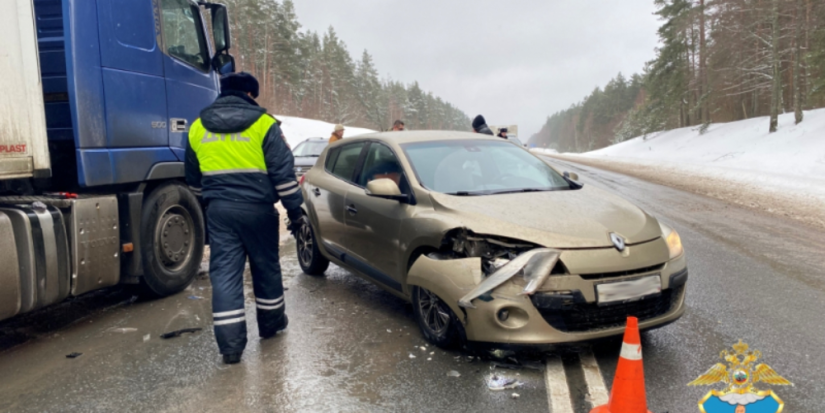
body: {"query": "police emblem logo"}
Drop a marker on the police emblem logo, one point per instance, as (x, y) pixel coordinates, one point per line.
(740, 374)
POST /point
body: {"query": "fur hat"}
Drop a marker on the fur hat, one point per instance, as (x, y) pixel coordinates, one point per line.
(339, 127)
(241, 82)
(479, 122)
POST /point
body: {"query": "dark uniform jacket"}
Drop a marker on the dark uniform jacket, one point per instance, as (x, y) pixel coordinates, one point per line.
(236, 153)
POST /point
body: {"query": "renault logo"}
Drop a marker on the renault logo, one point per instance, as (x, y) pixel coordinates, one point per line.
(618, 241)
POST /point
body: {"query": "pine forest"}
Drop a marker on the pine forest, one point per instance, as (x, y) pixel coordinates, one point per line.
(311, 75)
(717, 61)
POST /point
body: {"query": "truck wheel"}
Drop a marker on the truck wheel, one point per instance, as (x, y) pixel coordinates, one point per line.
(310, 258)
(437, 322)
(171, 239)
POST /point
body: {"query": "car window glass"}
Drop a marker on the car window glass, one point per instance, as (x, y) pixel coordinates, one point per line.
(344, 166)
(309, 148)
(381, 162)
(480, 167)
(182, 34)
(332, 156)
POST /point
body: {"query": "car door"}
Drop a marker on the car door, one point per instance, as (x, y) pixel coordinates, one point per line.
(373, 224)
(326, 192)
(191, 84)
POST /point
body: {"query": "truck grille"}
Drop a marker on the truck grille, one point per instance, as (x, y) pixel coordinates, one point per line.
(581, 317)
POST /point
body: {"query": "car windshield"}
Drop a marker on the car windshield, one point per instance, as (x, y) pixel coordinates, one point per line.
(309, 148)
(480, 167)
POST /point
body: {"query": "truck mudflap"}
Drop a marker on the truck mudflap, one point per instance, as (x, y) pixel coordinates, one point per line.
(42, 258)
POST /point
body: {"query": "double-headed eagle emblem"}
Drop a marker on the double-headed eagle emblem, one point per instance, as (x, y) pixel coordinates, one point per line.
(740, 374)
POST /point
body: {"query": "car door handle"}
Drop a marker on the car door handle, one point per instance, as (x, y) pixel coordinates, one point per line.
(316, 191)
(352, 210)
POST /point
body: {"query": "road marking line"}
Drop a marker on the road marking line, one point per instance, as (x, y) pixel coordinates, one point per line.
(558, 393)
(593, 377)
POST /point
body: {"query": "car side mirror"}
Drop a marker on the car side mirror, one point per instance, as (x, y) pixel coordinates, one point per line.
(387, 189)
(572, 176)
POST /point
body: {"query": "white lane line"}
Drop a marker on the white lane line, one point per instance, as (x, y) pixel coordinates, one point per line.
(558, 393)
(593, 378)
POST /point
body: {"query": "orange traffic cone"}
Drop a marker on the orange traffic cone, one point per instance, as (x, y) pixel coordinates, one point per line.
(628, 393)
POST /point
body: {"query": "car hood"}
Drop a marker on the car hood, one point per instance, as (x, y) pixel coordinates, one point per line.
(581, 218)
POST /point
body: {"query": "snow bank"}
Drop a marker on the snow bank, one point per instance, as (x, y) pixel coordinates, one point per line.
(782, 172)
(297, 130)
(793, 151)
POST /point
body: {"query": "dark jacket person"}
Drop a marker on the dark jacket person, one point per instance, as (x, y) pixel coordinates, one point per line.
(480, 126)
(238, 161)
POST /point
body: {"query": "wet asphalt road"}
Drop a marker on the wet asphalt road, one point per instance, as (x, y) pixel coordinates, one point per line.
(348, 347)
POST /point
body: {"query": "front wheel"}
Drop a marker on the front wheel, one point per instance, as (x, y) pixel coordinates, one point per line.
(309, 256)
(172, 239)
(437, 322)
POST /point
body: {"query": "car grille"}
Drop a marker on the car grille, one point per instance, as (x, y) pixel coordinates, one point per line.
(601, 275)
(581, 317)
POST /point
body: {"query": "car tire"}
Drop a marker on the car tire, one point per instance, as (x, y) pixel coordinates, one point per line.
(172, 239)
(309, 256)
(438, 323)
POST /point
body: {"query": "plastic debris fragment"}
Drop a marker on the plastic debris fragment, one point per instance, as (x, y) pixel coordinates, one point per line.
(122, 330)
(498, 383)
(147, 337)
(453, 373)
(515, 395)
(73, 355)
(195, 297)
(423, 348)
(389, 331)
(412, 356)
(429, 359)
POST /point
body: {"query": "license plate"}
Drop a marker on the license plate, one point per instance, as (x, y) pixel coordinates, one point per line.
(628, 290)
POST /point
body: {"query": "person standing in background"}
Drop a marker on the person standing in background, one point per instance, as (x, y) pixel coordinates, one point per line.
(398, 126)
(337, 134)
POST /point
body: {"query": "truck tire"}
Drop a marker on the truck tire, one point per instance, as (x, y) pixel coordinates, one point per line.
(172, 239)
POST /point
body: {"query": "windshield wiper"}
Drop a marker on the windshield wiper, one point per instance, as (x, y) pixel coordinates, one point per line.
(467, 193)
(517, 191)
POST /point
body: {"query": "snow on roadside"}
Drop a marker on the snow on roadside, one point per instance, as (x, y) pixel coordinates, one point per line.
(297, 130)
(738, 161)
(795, 150)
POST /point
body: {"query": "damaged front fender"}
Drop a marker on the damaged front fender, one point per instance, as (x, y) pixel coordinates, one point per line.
(535, 264)
(447, 279)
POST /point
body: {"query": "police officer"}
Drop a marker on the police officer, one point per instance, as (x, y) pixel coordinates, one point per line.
(238, 161)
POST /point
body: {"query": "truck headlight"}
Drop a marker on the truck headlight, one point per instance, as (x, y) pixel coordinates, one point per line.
(674, 242)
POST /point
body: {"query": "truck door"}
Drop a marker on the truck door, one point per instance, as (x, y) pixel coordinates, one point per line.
(191, 84)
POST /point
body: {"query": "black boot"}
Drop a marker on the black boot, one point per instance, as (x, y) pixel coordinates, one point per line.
(232, 358)
(278, 329)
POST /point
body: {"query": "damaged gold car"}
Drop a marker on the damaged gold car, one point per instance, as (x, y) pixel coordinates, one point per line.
(489, 242)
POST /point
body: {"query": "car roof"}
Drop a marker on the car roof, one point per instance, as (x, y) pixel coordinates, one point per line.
(404, 137)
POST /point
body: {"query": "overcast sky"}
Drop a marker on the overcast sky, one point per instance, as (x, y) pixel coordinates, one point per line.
(515, 62)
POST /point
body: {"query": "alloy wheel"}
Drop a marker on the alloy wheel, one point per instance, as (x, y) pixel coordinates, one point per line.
(433, 311)
(305, 243)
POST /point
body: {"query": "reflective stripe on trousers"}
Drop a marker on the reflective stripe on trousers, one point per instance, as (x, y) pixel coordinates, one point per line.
(238, 231)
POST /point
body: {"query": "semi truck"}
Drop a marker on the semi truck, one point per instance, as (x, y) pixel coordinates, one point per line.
(97, 97)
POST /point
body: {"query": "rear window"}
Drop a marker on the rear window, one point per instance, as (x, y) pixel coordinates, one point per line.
(346, 160)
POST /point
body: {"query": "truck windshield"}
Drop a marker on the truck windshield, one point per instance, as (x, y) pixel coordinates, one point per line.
(480, 167)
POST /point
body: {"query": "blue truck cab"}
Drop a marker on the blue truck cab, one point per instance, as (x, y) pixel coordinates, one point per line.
(92, 189)
(122, 81)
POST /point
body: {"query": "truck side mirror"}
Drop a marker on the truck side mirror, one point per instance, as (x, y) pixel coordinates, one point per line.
(220, 28)
(222, 62)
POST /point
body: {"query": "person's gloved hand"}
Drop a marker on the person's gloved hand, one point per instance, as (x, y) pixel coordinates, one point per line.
(296, 219)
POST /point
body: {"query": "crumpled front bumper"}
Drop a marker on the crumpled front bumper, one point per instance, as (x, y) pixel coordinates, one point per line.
(564, 309)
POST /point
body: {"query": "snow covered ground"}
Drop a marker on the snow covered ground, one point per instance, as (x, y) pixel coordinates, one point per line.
(297, 130)
(780, 172)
